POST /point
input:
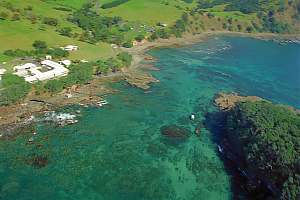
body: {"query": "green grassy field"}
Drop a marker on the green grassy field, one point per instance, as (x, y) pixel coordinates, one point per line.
(218, 11)
(149, 12)
(21, 34)
(67, 3)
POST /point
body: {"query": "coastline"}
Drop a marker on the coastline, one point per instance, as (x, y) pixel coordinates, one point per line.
(189, 39)
(134, 75)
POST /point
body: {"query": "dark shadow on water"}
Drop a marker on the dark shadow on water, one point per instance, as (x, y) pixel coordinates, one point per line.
(243, 186)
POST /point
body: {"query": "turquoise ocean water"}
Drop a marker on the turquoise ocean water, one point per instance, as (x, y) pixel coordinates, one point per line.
(118, 152)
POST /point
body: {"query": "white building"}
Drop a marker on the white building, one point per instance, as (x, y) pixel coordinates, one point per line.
(48, 57)
(70, 48)
(2, 72)
(26, 66)
(33, 73)
(66, 63)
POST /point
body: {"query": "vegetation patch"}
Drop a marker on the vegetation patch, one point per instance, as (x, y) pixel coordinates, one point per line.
(269, 135)
(113, 4)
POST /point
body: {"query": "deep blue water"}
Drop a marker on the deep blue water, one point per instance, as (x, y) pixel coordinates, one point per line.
(118, 152)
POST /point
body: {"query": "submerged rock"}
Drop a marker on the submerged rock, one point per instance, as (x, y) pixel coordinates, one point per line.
(38, 161)
(175, 134)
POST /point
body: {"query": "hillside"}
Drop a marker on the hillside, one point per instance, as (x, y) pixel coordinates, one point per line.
(21, 25)
(22, 22)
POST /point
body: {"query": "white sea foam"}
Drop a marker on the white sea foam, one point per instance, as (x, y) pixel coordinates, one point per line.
(60, 118)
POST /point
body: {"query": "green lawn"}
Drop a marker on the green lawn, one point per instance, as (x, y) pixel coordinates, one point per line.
(22, 34)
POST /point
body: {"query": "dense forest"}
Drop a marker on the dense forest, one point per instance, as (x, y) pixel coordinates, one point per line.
(269, 135)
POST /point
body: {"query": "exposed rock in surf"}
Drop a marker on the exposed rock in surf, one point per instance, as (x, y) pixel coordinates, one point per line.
(198, 129)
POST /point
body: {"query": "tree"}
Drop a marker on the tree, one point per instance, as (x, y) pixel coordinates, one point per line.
(4, 15)
(127, 44)
(239, 27)
(39, 45)
(14, 89)
(249, 29)
(114, 64)
(162, 33)
(50, 21)
(269, 137)
(54, 86)
(126, 58)
(58, 53)
(139, 38)
(102, 68)
(15, 17)
(65, 31)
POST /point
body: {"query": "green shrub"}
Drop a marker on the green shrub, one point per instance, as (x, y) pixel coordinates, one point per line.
(113, 4)
(14, 88)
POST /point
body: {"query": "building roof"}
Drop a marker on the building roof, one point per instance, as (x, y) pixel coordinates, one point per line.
(25, 66)
(31, 73)
(71, 46)
(66, 62)
(51, 63)
(2, 71)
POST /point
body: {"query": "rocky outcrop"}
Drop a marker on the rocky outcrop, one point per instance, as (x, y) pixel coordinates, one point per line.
(228, 101)
(139, 79)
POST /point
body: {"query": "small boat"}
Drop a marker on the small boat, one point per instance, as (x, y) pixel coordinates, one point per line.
(30, 140)
(102, 103)
(243, 173)
(192, 117)
(34, 133)
(220, 149)
(72, 121)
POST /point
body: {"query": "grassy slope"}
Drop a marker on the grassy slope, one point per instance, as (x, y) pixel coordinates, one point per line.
(21, 34)
(149, 12)
(67, 3)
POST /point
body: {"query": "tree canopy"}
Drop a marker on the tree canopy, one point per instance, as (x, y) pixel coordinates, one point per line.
(270, 137)
(14, 88)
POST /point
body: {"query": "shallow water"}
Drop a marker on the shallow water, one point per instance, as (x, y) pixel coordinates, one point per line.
(117, 152)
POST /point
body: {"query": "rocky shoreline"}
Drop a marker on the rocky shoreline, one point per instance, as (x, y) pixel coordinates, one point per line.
(135, 75)
(19, 114)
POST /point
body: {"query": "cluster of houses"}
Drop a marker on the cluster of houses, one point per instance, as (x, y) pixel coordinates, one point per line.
(45, 70)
